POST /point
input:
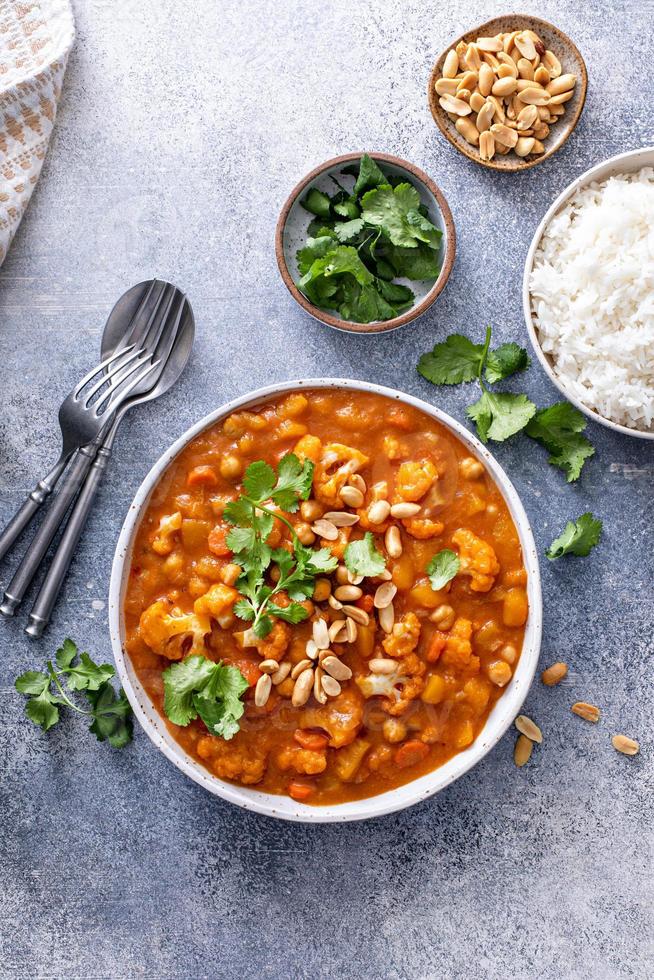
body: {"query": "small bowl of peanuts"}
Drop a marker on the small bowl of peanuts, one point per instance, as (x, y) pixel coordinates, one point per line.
(507, 94)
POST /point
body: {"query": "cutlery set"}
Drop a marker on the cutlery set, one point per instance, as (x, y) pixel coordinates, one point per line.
(146, 344)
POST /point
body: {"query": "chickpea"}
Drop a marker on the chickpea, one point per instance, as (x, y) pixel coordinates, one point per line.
(275, 573)
(229, 573)
(394, 730)
(470, 468)
(173, 566)
(509, 653)
(322, 589)
(499, 672)
(311, 510)
(231, 466)
(304, 533)
(443, 616)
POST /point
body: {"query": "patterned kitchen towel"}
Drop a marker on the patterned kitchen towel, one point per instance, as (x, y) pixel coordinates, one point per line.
(35, 39)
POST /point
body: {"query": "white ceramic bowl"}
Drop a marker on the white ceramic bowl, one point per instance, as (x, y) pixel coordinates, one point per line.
(283, 807)
(623, 163)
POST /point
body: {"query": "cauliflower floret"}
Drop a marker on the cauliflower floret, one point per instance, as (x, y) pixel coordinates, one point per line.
(230, 760)
(423, 528)
(162, 542)
(335, 466)
(398, 689)
(458, 648)
(404, 637)
(271, 647)
(413, 480)
(218, 600)
(341, 717)
(162, 622)
(305, 761)
(478, 560)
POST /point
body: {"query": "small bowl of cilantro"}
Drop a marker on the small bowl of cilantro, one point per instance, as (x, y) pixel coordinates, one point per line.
(365, 242)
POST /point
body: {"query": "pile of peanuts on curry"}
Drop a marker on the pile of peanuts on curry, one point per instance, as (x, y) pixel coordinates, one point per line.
(386, 677)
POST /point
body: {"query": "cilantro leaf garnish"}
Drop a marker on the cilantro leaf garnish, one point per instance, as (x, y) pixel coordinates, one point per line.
(558, 428)
(252, 521)
(577, 538)
(110, 713)
(442, 568)
(197, 686)
(360, 242)
(395, 211)
(362, 558)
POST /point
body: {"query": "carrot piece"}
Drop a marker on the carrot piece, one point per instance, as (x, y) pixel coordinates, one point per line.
(217, 540)
(201, 475)
(411, 753)
(313, 741)
(300, 791)
(366, 602)
(436, 647)
(248, 668)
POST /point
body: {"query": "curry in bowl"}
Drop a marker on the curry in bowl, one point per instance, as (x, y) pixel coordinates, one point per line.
(326, 597)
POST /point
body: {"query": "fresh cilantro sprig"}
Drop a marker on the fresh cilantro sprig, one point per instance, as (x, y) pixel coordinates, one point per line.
(500, 415)
(197, 686)
(578, 537)
(442, 568)
(359, 242)
(111, 714)
(362, 558)
(252, 518)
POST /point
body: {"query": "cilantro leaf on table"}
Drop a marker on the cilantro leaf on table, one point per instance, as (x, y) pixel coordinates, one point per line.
(500, 416)
(558, 429)
(395, 211)
(197, 686)
(442, 568)
(453, 361)
(110, 714)
(577, 538)
(362, 558)
(505, 360)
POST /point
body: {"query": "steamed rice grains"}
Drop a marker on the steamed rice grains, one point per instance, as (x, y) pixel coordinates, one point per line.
(592, 296)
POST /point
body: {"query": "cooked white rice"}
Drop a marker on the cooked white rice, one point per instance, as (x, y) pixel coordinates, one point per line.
(592, 296)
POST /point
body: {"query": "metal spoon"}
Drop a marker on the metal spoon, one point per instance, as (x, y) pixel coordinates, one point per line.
(113, 336)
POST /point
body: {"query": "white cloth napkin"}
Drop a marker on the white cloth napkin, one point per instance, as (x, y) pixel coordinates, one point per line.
(35, 40)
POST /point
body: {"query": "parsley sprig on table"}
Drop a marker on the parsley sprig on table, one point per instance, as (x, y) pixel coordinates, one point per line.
(252, 516)
(110, 713)
(500, 415)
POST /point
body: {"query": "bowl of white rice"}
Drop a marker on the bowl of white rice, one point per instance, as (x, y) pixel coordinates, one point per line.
(588, 293)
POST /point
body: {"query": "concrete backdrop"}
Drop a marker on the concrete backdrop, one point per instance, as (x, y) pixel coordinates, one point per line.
(183, 125)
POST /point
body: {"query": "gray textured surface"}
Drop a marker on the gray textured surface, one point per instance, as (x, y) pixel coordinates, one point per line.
(182, 128)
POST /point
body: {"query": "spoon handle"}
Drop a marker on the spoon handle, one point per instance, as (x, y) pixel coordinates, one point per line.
(55, 576)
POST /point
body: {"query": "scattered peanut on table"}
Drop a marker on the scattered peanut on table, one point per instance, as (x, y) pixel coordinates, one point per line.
(503, 93)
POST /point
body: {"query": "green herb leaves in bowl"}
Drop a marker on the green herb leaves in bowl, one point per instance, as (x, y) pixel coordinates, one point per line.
(359, 242)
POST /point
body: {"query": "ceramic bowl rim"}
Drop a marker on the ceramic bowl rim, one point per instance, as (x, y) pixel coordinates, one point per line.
(381, 326)
(501, 717)
(599, 172)
(445, 125)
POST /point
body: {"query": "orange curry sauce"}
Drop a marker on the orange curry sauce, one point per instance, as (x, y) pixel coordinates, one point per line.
(452, 652)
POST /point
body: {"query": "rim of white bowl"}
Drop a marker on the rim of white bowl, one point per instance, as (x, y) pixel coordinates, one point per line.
(282, 807)
(631, 160)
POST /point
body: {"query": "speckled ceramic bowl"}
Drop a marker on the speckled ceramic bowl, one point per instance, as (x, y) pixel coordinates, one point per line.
(283, 807)
(291, 234)
(571, 62)
(622, 164)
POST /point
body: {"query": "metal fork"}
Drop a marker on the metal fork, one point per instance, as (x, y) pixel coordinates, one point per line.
(93, 417)
(78, 425)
